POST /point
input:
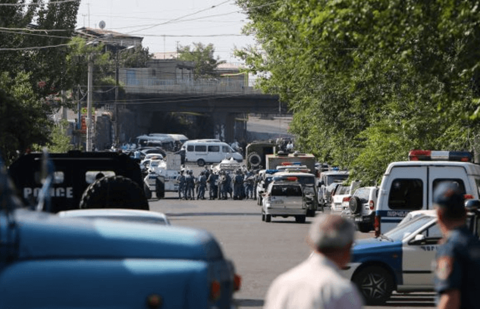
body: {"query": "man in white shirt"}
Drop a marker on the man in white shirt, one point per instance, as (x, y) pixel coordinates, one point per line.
(317, 282)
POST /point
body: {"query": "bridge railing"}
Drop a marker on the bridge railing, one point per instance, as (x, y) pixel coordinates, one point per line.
(137, 81)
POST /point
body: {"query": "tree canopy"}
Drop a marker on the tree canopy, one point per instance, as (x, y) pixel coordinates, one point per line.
(369, 80)
(203, 57)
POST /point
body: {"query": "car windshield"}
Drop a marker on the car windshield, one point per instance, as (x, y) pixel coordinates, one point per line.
(400, 232)
(335, 178)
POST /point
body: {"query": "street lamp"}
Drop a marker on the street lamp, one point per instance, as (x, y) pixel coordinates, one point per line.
(116, 126)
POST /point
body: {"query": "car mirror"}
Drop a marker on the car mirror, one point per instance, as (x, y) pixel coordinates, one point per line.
(419, 239)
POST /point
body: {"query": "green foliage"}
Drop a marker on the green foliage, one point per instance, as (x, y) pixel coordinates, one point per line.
(135, 58)
(370, 80)
(205, 62)
(60, 141)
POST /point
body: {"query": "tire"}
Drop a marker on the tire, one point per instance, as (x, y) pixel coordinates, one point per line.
(364, 227)
(355, 205)
(201, 162)
(375, 284)
(268, 218)
(254, 159)
(300, 219)
(146, 190)
(114, 192)
(310, 212)
(159, 188)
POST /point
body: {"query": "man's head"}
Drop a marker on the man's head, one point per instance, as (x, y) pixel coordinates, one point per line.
(332, 236)
(449, 201)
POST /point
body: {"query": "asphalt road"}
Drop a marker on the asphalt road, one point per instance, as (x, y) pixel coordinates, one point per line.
(260, 251)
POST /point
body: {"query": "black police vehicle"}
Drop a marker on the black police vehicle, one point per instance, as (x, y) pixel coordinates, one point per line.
(82, 180)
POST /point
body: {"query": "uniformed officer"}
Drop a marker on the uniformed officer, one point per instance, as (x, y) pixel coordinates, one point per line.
(202, 183)
(212, 181)
(457, 265)
(228, 185)
(181, 185)
(189, 186)
(238, 185)
(248, 183)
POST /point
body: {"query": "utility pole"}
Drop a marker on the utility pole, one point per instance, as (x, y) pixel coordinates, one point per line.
(89, 104)
(116, 128)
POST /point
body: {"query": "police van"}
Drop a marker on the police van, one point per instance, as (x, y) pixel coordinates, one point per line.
(409, 185)
(209, 151)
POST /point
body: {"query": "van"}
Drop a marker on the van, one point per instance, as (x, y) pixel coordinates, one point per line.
(209, 151)
(156, 140)
(409, 185)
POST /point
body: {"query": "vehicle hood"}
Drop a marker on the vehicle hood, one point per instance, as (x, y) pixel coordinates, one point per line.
(43, 235)
(376, 249)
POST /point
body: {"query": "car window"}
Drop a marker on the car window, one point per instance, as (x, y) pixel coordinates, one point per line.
(401, 231)
(213, 148)
(201, 148)
(457, 182)
(190, 148)
(335, 178)
(362, 194)
(406, 194)
(286, 190)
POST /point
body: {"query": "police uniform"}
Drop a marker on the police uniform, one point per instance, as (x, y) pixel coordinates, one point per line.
(181, 186)
(202, 183)
(458, 266)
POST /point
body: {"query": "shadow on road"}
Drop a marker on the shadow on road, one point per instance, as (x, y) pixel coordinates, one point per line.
(249, 302)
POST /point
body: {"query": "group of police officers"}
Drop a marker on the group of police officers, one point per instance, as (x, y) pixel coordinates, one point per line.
(224, 184)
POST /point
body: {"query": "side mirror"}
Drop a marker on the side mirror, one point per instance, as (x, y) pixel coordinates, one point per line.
(419, 239)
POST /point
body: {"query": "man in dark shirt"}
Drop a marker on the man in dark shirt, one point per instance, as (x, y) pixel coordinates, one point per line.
(457, 265)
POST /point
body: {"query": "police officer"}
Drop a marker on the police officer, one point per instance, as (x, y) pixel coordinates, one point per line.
(181, 185)
(238, 185)
(248, 183)
(189, 186)
(457, 265)
(228, 185)
(212, 181)
(202, 183)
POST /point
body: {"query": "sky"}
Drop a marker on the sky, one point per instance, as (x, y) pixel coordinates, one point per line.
(166, 24)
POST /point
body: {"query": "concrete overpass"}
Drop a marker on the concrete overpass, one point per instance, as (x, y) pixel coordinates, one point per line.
(222, 100)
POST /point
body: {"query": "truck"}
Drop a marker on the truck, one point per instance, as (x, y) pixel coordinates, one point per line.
(409, 185)
(272, 161)
(47, 261)
(256, 151)
(162, 176)
(75, 182)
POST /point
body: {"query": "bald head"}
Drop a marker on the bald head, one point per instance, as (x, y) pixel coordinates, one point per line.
(331, 233)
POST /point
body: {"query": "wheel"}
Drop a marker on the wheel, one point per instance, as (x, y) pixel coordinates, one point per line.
(263, 217)
(160, 188)
(375, 284)
(300, 219)
(114, 192)
(254, 159)
(355, 205)
(146, 190)
(268, 218)
(364, 227)
(201, 162)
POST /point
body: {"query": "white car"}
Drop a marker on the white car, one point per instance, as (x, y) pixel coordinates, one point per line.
(284, 199)
(130, 215)
(361, 208)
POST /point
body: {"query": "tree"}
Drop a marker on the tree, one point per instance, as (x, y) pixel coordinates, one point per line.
(369, 80)
(203, 57)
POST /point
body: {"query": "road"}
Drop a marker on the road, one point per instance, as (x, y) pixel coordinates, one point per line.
(260, 251)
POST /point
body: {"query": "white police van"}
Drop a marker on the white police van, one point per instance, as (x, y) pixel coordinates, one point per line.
(409, 185)
(209, 151)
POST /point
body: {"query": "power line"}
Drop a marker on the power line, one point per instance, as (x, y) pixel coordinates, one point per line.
(32, 47)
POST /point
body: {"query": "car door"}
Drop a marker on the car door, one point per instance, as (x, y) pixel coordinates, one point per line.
(418, 254)
(404, 190)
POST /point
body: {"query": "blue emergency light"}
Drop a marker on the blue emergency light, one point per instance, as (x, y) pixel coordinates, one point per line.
(435, 155)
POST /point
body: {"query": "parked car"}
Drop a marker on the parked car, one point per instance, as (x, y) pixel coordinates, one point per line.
(341, 196)
(361, 208)
(130, 215)
(399, 260)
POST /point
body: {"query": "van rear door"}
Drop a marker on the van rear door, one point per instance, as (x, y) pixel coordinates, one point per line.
(455, 174)
(403, 192)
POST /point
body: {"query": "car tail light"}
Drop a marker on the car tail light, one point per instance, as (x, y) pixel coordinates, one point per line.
(346, 199)
(371, 204)
(468, 197)
(237, 282)
(215, 290)
(376, 225)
